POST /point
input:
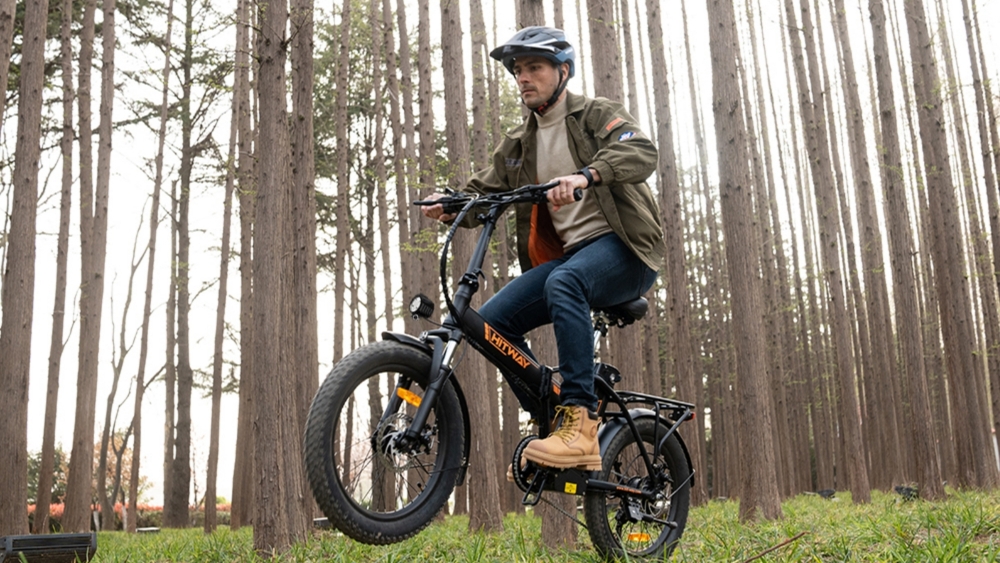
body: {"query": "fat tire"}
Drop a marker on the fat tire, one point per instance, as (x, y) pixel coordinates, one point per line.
(596, 506)
(351, 518)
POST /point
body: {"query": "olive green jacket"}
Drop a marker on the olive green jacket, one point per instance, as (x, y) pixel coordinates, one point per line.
(603, 136)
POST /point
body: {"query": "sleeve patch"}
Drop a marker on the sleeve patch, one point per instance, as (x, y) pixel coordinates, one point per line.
(612, 124)
(626, 135)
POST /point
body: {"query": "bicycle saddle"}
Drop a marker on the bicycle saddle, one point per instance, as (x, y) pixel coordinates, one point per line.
(625, 313)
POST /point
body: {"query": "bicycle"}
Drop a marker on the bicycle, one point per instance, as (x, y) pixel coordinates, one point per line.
(383, 482)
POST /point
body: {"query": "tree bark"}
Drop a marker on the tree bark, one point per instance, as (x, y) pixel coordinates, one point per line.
(176, 504)
(984, 111)
(482, 483)
(75, 517)
(220, 312)
(19, 277)
(675, 262)
(278, 517)
(976, 464)
(243, 469)
(819, 150)
(759, 490)
(44, 494)
(7, 14)
(343, 184)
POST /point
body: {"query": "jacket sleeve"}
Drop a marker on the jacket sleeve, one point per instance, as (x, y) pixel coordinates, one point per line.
(625, 155)
(486, 181)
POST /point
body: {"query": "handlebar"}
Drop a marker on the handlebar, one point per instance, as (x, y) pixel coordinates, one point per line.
(455, 202)
(461, 203)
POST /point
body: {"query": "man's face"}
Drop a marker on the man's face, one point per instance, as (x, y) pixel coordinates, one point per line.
(537, 79)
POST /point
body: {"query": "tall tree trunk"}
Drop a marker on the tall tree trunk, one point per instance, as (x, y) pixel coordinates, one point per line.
(19, 277)
(175, 505)
(7, 14)
(984, 272)
(482, 484)
(812, 112)
(759, 490)
(220, 314)
(343, 184)
(108, 431)
(428, 280)
(633, 91)
(279, 519)
(984, 110)
(604, 50)
(871, 251)
(977, 467)
(401, 156)
(75, 517)
(304, 348)
(44, 494)
(170, 371)
(670, 204)
(304, 209)
(243, 468)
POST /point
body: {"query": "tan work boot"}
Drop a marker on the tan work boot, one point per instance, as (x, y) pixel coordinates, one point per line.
(574, 444)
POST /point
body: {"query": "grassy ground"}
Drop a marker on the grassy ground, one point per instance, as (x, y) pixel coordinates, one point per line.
(966, 527)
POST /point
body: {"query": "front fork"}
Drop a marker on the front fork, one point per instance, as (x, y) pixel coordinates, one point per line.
(441, 344)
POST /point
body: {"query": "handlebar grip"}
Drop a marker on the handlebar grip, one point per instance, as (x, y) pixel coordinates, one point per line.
(577, 194)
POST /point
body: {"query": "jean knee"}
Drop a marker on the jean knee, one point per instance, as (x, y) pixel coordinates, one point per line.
(563, 282)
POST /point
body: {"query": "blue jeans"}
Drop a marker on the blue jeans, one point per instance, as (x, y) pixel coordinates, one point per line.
(600, 272)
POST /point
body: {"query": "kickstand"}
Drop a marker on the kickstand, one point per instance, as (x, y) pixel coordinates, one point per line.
(535, 488)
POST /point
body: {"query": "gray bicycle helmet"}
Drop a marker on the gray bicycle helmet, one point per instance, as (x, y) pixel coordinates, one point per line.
(538, 41)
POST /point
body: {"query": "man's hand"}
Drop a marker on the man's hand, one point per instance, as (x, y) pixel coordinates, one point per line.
(436, 211)
(563, 193)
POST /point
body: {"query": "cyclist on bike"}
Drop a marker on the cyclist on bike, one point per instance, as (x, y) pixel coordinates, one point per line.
(598, 252)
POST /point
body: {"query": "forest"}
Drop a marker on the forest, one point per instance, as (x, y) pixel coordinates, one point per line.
(827, 184)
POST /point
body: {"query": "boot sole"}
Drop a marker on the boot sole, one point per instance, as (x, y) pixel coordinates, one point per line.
(586, 462)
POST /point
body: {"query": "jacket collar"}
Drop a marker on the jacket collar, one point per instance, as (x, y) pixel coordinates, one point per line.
(574, 104)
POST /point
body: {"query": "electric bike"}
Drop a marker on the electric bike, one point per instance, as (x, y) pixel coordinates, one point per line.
(387, 438)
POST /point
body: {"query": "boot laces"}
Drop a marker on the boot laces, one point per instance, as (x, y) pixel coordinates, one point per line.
(569, 425)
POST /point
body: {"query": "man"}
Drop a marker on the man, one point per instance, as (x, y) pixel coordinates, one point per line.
(600, 251)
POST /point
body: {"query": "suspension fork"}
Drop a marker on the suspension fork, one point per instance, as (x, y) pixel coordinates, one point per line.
(444, 342)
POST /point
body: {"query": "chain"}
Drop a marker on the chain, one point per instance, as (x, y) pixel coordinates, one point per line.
(564, 513)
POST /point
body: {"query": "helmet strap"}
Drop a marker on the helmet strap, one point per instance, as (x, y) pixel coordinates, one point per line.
(542, 109)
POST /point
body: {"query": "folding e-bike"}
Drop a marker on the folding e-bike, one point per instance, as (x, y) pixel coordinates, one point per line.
(387, 438)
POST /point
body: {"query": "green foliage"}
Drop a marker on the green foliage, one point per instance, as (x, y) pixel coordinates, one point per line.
(966, 527)
(60, 469)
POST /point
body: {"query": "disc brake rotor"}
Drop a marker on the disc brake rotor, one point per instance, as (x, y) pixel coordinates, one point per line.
(388, 437)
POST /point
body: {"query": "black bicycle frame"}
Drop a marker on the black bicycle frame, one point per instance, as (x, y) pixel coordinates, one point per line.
(516, 364)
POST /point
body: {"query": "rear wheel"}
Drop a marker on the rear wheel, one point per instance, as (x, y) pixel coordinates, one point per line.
(621, 526)
(373, 486)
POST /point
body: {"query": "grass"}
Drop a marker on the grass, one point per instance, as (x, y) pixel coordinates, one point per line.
(966, 527)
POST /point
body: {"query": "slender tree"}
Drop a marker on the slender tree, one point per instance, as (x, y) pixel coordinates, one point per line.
(678, 302)
(7, 13)
(758, 491)
(78, 494)
(484, 505)
(243, 468)
(19, 277)
(971, 431)
(41, 520)
(811, 106)
(211, 476)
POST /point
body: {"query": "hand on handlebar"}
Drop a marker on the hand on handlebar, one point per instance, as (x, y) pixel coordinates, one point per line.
(436, 211)
(564, 193)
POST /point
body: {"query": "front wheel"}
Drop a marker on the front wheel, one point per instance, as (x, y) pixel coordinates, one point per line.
(371, 485)
(622, 526)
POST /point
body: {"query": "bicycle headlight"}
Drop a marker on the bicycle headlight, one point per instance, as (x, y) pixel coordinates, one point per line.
(421, 306)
